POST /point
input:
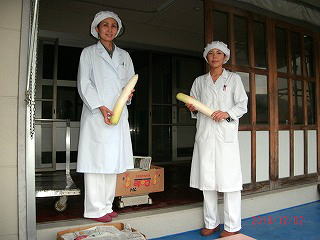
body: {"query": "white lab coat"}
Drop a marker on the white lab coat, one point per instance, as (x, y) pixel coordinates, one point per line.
(216, 157)
(103, 148)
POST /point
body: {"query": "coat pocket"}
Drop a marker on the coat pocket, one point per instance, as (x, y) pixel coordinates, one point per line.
(229, 131)
(122, 72)
(99, 131)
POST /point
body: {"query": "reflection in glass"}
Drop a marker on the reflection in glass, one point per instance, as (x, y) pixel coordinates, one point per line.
(281, 41)
(220, 26)
(311, 102)
(283, 101)
(43, 145)
(68, 61)
(241, 40)
(245, 119)
(161, 143)
(46, 144)
(261, 99)
(161, 114)
(260, 54)
(69, 103)
(308, 54)
(161, 78)
(297, 102)
(295, 53)
(48, 60)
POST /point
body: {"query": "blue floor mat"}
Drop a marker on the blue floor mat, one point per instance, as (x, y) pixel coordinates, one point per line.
(295, 223)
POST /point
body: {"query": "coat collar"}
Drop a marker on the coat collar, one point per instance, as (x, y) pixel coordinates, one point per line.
(224, 75)
(221, 81)
(114, 61)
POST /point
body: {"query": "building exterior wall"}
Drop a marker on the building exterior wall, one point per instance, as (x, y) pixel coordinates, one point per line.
(10, 25)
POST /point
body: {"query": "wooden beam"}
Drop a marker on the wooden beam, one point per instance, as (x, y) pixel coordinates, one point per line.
(208, 22)
(273, 103)
(290, 102)
(316, 45)
(232, 40)
(304, 105)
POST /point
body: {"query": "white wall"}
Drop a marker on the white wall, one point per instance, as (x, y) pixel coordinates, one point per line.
(10, 21)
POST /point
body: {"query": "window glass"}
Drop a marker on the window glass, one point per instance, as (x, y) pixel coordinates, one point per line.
(295, 53)
(281, 42)
(43, 146)
(47, 92)
(46, 110)
(185, 140)
(184, 115)
(283, 101)
(187, 70)
(241, 40)
(139, 107)
(161, 79)
(297, 102)
(161, 143)
(220, 26)
(68, 61)
(261, 99)
(69, 104)
(245, 119)
(311, 102)
(47, 61)
(161, 114)
(260, 55)
(308, 54)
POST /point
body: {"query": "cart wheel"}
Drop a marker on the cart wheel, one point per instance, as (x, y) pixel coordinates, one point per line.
(121, 204)
(61, 204)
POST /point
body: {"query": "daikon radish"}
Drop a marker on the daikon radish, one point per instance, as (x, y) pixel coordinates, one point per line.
(122, 99)
(198, 105)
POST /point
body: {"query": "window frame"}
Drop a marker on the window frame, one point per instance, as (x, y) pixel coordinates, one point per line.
(272, 75)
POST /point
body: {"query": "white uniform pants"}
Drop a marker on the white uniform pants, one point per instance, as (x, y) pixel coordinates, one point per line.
(99, 194)
(232, 210)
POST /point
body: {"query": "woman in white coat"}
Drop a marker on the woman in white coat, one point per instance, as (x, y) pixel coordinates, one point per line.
(104, 150)
(216, 159)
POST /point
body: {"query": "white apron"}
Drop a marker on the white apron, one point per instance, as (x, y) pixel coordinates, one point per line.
(216, 157)
(103, 148)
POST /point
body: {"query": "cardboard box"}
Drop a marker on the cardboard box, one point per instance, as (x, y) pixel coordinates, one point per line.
(119, 226)
(139, 182)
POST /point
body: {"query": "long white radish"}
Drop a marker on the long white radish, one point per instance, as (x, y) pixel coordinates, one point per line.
(198, 105)
(122, 99)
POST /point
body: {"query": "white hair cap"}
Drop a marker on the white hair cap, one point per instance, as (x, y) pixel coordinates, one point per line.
(218, 45)
(103, 15)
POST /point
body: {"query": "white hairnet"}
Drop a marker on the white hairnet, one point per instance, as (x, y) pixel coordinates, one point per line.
(103, 15)
(218, 45)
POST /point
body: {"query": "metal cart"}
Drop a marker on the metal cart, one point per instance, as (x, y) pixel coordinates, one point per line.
(54, 183)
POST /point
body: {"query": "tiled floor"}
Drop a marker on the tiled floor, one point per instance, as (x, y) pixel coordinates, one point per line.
(296, 223)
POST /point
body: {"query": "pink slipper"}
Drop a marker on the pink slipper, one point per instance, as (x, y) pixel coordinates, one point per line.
(113, 214)
(105, 218)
